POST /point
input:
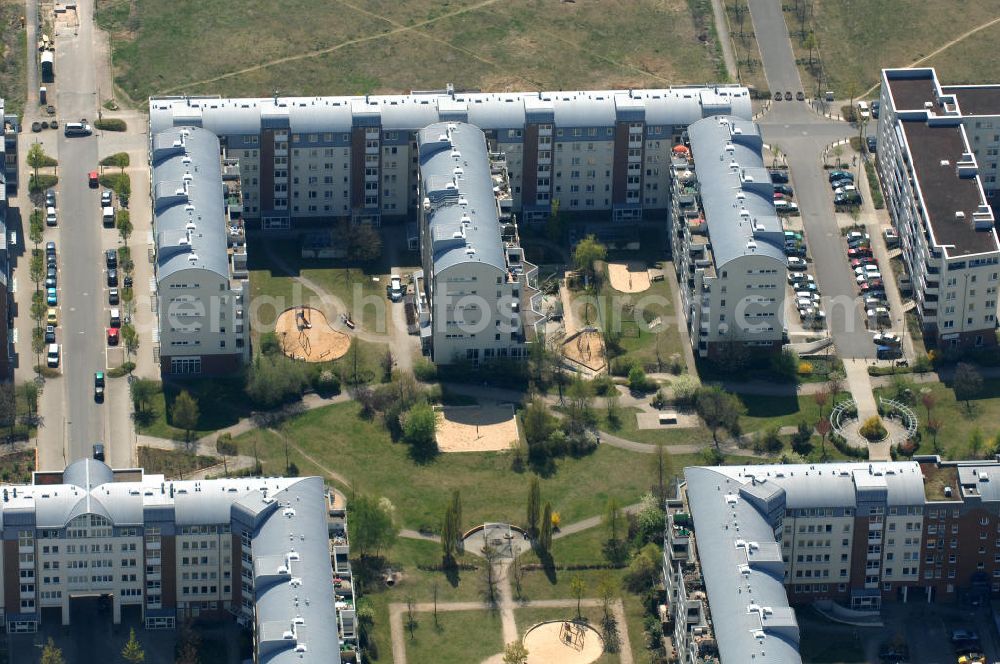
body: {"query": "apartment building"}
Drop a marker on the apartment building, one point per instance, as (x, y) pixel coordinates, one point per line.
(479, 291)
(253, 548)
(727, 239)
(857, 534)
(8, 185)
(933, 176)
(201, 276)
(310, 159)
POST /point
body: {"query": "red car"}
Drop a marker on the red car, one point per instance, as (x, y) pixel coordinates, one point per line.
(92, 179)
(112, 336)
(859, 252)
(864, 260)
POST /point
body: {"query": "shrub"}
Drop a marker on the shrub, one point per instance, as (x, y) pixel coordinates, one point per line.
(637, 380)
(119, 371)
(659, 400)
(873, 429)
(326, 382)
(923, 363)
(111, 124)
(424, 370)
(603, 385)
(622, 366)
(847, 449)
(41, 182)
(685, 389)
(119, 159)
(785, 364)
(805, 368)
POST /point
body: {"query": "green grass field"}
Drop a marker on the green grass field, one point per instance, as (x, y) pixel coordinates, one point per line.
(13, 52)
(458, 636)
(380, 45)
(859, 37)
(175, 464)
(363, 452)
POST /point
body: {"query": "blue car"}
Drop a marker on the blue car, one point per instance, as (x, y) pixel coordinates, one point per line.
(50, 297)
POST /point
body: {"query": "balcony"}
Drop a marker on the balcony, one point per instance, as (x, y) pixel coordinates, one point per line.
(371, 134)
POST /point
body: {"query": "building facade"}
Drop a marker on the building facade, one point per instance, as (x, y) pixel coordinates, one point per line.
(317, 158)
(482, 293)
(933, 176)
(727, 239)
(200, 255)
(857, 534)
(8, 185)
(257, 549)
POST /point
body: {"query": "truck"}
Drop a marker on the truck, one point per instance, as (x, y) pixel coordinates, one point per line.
(48, 63)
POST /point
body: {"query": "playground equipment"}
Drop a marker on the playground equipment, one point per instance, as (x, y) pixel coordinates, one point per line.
(573, 635)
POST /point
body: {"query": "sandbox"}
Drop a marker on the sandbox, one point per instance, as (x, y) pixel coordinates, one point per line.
(481, 428)
(563, 642)
(586, 348)
(628, 277)
(305, 334)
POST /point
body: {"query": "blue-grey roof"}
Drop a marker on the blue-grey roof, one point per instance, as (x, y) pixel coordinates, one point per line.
(188, 206)
(489, 110)
(460, 206)
(743, 572)
(299, 598)
(736, 190)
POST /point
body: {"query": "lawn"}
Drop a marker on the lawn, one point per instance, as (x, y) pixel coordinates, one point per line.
(458, 636)
(13, 51)
(380, 45)
(592, 615)
(858, 38)
(628, 429)
(958, 422)
(175, 464)
(221, 403)
(16, 467)
(362, 451)
(765, 411)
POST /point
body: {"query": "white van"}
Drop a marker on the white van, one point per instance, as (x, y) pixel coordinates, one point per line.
(863, 110)
(108, 216)
(53, 355)
(116, 318)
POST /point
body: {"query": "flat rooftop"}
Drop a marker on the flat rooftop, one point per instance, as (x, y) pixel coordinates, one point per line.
(936, 151)
(910, 94)
(976, 99)
(936, 478)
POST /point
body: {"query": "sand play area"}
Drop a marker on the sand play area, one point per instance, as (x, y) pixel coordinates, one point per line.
(563, 642)
(586, 347)
(305, 334)
(482, 428)
(628, 277)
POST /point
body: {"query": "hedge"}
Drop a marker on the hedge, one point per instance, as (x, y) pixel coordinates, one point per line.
(111, 124)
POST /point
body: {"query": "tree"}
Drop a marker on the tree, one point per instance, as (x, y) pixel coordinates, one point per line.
(821, 398)
(36, 227)
(491, 554)
(515, 653)
(967, 384)
(540, 360)
(142, 392)
(517, 576)
(613, 518)
(274, 379)
(934, 427)
(975, 443)
(872, 429)
(539, 425)
(637, 380)
(226, 447)
(456, 515)
(36, 268)
(719, 410)
(387, 363)
(37, 158)
(37, 343)
(188, 645)
(130, 338)
(133, 652)
(411, 621)
(607, 590)
(419, 428)
(184, 414)
(545, 537)
(360, 242)
(664, 467)
(823, 428)
(372, 526)
(534, 505)
(580, 405)
(644, 571)
(8, 406)
(577, 587)
(929, 401)
(123, 223)
(588, 251)
(51, 654)
(614, 410)
(448, 535)
(810, 44)
(29, 392)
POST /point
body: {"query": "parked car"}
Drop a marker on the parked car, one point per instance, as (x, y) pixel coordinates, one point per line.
(115, 319)
(51, 317)
(845, 190)
(50, 198)
(840, 175)
(778, 196)
(800, 96)
(886, 339)
(113, 296)
(788, 95)
(876, 105)
(111, 258)
(112, 277)
(98, 452)
(99, 386)
(93, 179)
(779, 176)
(50, 248)
(861, 262)
(840, 182)
(854, 237)
(50, 334)
(784, 189)
(105, 198)
(795, 263)
(962, 634)
(891, 238)
(50, 216)
(800, 278)
(847, 200)
(863, 110)
(871, 143)
(888, 352)
(51, 297)
(866, 269)
(859, 251)
(112, 336)
(52, 357)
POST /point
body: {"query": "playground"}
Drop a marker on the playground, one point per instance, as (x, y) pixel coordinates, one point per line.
(563, 642)
(586, 348)
(305, 334)
(480, 428)
(629, 277)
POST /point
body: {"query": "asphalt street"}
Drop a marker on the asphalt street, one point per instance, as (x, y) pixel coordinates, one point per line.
(775, 47)
(82, 295)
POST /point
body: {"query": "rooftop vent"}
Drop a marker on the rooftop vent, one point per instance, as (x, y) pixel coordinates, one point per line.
(959, 214)
(945, 162)
(192, 257)
(751, 245)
